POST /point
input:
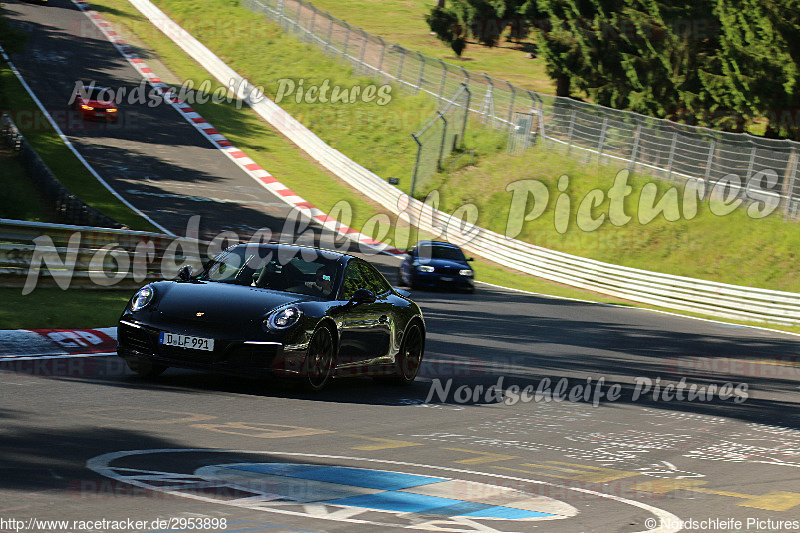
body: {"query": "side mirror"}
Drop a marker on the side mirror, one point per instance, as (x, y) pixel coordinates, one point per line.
(362, 296)
(185, 273)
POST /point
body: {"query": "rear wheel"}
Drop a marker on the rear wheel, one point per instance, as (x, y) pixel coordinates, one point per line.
(409, 358)
(318, 367)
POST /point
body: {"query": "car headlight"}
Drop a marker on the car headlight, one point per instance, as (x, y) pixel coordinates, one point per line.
(142, 298)
(112, 110)
(87, 108)
(284, 318)
(425, 268)
(466, 272)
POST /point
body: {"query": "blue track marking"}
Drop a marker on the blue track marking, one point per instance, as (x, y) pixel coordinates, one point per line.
(393, 487)
(354, 477)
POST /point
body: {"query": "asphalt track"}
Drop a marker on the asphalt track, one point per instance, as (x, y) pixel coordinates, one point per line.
(152, 156)
(84, 440)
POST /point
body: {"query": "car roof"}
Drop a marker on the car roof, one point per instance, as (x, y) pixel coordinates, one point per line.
(438, 243)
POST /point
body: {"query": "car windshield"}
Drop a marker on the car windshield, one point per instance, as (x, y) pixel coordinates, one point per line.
(441, 252)
(270, 269)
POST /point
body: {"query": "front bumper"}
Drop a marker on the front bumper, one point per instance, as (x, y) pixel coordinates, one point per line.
(137, 341)
(435, 279)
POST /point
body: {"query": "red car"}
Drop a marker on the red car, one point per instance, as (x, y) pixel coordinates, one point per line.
(95, 103)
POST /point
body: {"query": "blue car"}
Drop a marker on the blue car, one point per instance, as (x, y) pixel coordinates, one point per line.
(435, 264)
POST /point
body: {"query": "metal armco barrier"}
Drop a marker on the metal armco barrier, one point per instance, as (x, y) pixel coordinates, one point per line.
(674, 292)
(69, 208)
(36, 255)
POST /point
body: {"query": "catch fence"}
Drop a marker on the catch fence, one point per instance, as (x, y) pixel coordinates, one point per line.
(653, 146)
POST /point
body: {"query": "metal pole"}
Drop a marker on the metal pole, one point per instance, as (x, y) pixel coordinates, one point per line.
(671, 159)
(466, 113)
(444, 138)
(297, 16)
(790, 179)
(421, 72)
(444, 78)
(400, 67)
(346, 39)
(363, 48)
(313, 20)
(511, 104)
(635, 146)
(602, 139)
(571, 128)
(330, 31)
(383, 53)
(711, 149)
(416, 165)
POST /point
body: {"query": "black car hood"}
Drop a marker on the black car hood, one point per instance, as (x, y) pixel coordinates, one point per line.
(219, 303)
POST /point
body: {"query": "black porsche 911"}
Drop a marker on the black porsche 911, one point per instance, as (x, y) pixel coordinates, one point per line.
(288, 311)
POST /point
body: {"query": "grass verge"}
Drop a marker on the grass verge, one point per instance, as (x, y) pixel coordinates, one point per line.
(403, 22)
(53, 308)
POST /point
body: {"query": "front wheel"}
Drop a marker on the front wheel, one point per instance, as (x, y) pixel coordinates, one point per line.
(319, 363)
(409, 358)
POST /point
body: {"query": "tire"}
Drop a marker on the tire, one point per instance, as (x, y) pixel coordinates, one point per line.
(409, 358)
(320, 361)
(145, 368)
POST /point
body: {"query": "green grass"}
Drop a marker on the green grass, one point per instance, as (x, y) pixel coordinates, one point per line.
(53, 308)
(67, 168)
(732, 249)
(403, 22)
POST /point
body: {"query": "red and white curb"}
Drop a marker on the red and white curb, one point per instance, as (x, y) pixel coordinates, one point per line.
(24, 344)
(253, 169)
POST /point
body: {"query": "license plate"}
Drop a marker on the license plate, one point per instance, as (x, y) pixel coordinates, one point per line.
(186, 341)
(446, 279)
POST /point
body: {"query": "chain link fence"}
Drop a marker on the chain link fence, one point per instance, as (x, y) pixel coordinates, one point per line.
(436, 140)
(69, 208)
(654, 146)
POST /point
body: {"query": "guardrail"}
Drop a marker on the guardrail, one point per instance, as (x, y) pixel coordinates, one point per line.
(68, 207)
(675, 292)
(34, 255)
